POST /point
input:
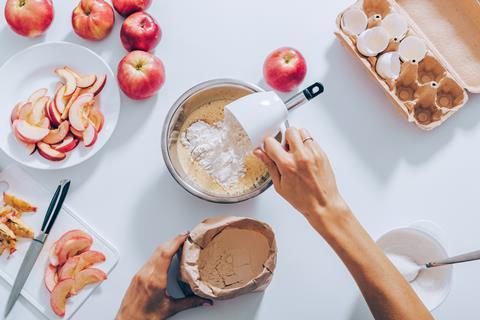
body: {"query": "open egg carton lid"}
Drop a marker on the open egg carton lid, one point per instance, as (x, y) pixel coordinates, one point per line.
(450, 31)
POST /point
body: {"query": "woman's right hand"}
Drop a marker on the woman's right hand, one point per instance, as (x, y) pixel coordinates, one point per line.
(302, 175)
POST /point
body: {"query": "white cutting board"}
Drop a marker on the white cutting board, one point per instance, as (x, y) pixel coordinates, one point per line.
(23, 186)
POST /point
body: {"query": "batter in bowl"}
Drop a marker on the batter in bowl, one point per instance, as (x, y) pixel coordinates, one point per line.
(216, 154)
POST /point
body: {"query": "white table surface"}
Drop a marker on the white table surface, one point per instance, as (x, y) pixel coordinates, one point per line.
(391, 173)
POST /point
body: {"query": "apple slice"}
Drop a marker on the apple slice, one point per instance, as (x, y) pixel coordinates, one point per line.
(57, 135)
(76, 114)
(77, 134)
(90, 135)
(51, 277)
(53, 114)
(86, 277)
(70, 102)
(59, 296)
(15, 111)
(83, 82)
(60, 100)
(72, 247)
(25, 111)
(68, 270)
(38, 110)
(52, 256)
(44, 123)
(68, 79)
(98, 86)
(49, 153)
(79, 263)
(28, 133)
(97, 118)
(31, 147)
(37, 95)
(68, 144)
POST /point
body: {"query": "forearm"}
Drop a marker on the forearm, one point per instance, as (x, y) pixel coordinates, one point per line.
(388, 294)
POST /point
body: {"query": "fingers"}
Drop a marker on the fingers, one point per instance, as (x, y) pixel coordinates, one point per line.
(275, 151)
(189, 303)
(294, 140)
(164, 253)
(271, 166)
(313, 145)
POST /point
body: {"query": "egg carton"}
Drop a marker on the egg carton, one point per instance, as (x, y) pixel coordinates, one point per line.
(424, 53)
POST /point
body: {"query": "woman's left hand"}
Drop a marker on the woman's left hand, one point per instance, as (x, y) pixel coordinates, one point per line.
(147, 296)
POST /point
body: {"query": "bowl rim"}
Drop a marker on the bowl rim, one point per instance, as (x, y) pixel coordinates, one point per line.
(165, 138)
(435, 239)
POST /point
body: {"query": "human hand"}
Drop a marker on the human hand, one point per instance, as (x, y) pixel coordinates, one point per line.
(302, 175)
(147, 297)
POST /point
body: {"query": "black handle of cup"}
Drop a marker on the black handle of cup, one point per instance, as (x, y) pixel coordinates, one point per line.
(313, 91)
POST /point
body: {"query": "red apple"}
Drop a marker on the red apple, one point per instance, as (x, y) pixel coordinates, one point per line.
(140, 74)
(127, 7)
(285, 69)
(29, 18)
(93, 19)
(140, 31)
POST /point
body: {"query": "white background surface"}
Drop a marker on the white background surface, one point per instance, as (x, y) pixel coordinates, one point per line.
(391, 173)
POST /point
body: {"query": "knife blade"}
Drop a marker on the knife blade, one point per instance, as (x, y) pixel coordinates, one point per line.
(37, 244)
(25, 269)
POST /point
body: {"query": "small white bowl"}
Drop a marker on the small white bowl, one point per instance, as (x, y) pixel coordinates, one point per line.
(422, 243)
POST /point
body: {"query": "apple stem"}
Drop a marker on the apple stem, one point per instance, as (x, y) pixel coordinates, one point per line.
(21, 3)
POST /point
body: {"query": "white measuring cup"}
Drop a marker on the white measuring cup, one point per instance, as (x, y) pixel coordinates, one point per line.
(264, 114)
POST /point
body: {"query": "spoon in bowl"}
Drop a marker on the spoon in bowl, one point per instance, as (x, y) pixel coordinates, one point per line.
(410, 269)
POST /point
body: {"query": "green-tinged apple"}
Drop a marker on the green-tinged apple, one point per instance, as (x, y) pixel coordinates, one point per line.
(140, 31)
(93, 19)
(127, 7)
(284, 69)
(29, 18)
(140, 75)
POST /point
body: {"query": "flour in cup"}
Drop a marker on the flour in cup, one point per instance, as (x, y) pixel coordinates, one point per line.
(219, 148)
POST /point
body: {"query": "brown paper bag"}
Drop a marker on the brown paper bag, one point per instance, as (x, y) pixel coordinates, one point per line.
(241, 244)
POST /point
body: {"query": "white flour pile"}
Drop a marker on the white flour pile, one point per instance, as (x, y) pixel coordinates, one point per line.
(220, 149)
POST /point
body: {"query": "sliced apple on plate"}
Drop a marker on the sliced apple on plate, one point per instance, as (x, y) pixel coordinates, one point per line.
(90, 135)
(77, 113)
(49, 153)
(28, 133)
(85, 81)
(59, 296)
(15, 111)
(72, 99)
(77, 134)
(37, 95)
(51, 277)
(60, 100)
(65, 246)
(98, 86)
(68, 79)
(58, 135)
(86, 277)
(68, 144)
(25, 111)
(53, 114)
(96, 118)
(38, 110)
(44, 123)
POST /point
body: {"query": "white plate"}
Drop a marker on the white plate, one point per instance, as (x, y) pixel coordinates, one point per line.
(32, 69)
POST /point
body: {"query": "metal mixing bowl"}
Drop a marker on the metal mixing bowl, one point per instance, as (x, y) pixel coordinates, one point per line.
(190, 101)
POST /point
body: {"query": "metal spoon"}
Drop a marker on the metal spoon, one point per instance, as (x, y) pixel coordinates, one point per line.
(415, 269)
